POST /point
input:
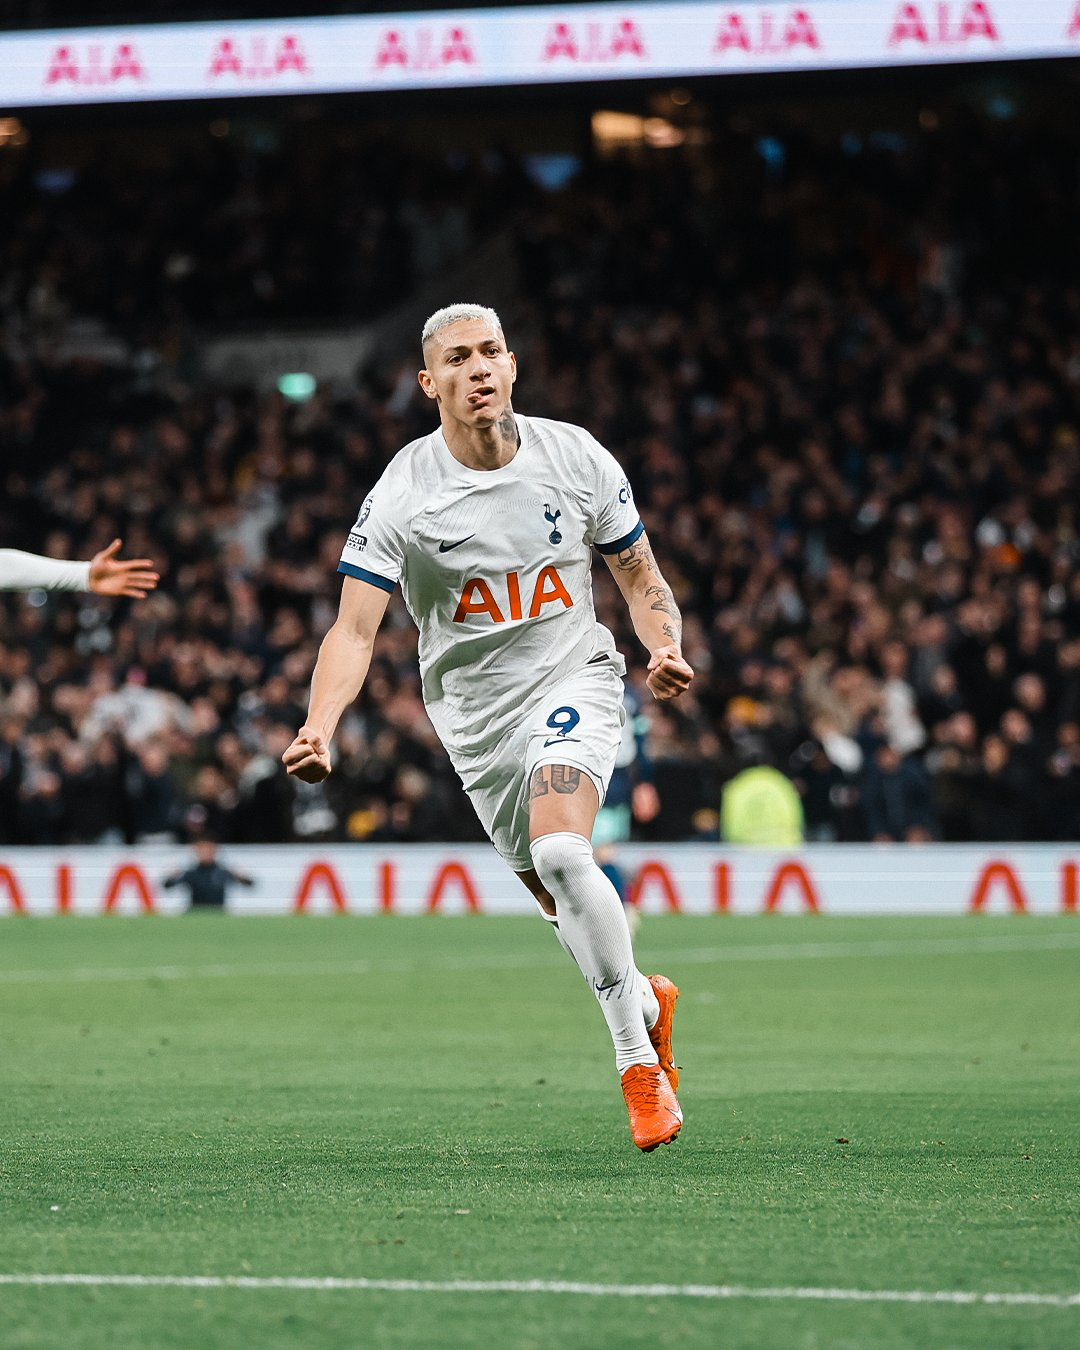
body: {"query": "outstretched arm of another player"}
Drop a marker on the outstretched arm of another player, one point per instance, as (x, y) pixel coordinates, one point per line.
(656, 616)
(104, 574)
(339, 675)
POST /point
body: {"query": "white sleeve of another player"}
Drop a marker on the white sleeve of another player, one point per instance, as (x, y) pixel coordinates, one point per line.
(375, 549)
(28, 571)
(616, 520)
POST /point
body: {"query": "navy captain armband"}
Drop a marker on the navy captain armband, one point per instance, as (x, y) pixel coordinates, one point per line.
(372, 578)
(617, 545)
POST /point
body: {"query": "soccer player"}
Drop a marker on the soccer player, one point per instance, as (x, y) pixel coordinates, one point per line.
(104, 574)
(488, 524)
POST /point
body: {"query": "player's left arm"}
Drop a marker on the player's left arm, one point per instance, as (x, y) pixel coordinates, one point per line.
(655, 615)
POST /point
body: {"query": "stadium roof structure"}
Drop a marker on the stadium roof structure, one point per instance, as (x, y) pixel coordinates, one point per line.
(524, 45)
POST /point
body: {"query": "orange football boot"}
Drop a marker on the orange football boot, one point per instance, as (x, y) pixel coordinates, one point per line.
(655, 1117)
(660, 1034)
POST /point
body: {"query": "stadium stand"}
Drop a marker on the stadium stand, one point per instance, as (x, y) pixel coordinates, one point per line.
(843, 377)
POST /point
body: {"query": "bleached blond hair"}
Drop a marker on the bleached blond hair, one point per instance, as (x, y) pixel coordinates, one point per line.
(443, 318)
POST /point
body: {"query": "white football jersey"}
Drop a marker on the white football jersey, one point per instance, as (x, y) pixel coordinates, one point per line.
(494, 566)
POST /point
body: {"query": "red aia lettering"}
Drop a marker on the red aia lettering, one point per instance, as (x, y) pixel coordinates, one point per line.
(760, 32)
(593, 42)
(320, 873)
(257, 61)
(453, 873)
(655, 872)
(938, 24)
(387, 887)
(1069, 887)
(1004, 875)
(721, 887)
(425, 50)
(793, 873)
(11, 885)
(94, 69)
(64, 890)
(128, 874)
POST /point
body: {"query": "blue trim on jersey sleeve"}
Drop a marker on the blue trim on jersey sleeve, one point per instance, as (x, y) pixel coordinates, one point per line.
(624, 542)
(383, 583)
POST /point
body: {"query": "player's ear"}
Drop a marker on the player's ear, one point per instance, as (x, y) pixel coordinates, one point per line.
(427, 384)
(513, 367)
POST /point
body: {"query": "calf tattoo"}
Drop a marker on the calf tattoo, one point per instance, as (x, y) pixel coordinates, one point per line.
(561, 778)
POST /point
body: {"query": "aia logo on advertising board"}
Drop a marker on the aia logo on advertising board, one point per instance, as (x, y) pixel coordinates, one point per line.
(1073, 30)
(424, 49)
(944, 23)
(593, 43)
(258, 57)
(766, 32)
(94, 65)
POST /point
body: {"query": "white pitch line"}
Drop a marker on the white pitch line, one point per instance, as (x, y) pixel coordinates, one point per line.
(331, 1284)
(962, 946)
(773, 951)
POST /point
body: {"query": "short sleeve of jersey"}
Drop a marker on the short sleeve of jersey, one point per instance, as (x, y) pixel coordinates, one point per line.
(375, 549)
(617, 521)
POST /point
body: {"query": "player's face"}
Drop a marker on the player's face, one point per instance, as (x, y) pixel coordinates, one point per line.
(470, 372)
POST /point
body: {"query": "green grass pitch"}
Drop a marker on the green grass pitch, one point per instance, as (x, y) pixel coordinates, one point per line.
(871, 1104)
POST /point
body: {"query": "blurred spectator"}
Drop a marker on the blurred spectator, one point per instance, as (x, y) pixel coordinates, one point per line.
(207, 881)
(761, 807)
(896, 799)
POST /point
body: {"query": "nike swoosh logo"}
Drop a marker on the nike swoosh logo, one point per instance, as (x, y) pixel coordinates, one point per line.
(445, 547)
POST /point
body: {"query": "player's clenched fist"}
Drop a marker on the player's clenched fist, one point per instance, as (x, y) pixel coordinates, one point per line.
(308, 758)
(669, 675)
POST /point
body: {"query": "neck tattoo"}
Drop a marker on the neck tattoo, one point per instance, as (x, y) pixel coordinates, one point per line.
(508, 430)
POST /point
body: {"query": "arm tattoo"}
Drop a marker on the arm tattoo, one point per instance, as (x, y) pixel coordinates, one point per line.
(639, 552)
(665, 603)
(638, 558)
(538, 786)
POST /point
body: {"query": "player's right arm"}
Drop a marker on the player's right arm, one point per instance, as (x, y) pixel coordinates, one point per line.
(339, 676)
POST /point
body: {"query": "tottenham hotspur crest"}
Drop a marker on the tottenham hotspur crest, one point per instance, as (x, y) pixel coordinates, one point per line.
(554, 537)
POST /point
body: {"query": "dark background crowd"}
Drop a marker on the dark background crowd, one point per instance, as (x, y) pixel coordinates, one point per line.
(840, 365)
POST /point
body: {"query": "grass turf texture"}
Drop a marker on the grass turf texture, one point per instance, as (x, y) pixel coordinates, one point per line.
(453, 1113)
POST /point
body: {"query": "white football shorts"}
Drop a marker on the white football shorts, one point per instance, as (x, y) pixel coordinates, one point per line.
(578, 722)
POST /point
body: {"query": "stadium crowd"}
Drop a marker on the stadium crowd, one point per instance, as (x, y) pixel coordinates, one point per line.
(273, 227)
(845, 383)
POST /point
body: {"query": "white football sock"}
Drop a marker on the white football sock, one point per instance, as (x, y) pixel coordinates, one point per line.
(650, 1004)
(592, 928)
(552, 920)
